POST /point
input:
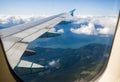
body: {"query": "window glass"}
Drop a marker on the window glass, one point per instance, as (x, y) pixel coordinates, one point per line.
(74, 50)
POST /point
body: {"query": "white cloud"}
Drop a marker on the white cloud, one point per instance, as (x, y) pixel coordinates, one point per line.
(84, 29)
(9, 20)
(60, 31)
(108, 24)
(105, 30)
(55, 63)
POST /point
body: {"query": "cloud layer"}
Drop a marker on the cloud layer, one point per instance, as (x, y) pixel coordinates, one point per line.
(84, 29)
(107, 24)
(8, 20)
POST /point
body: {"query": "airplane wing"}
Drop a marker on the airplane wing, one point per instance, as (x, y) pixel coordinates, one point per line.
(17, 38)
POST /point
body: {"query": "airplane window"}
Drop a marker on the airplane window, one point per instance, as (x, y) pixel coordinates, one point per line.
(42, 45)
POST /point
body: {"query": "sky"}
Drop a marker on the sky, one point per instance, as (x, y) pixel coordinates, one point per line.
(51, 7)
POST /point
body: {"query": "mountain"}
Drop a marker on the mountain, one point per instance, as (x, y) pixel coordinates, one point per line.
(68, 65)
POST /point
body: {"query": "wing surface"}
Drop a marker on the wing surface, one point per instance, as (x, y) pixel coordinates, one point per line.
(16, 39)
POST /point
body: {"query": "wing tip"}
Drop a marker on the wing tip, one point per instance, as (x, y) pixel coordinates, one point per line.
(72, 12)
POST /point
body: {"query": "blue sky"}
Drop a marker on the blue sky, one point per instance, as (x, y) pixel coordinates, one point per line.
(50, 7)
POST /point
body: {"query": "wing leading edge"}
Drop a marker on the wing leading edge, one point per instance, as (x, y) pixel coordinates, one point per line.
(17, 38)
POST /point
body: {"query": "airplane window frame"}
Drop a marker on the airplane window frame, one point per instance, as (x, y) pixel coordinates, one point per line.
(105, 66)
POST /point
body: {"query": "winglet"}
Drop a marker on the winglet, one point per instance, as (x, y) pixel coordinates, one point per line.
(72, 12)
